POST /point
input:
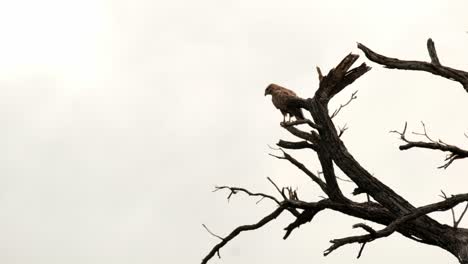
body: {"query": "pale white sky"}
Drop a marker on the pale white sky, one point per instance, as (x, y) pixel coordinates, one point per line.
(119, 117)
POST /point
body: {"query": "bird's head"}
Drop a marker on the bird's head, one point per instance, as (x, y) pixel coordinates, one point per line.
(270, 89)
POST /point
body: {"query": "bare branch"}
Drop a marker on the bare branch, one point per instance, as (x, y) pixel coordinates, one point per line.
(240, 229)
(432, 52)
(277, 188)
(281, 192)
(296, 145)
(320, 75)
(433, 67)
(342, 179)
(337, 111)
(299, 122)
(361, 249)
(369, 229)
(303, 168)
(454, 151)
(211, 233)
(339, 77)
(392, 227)
(234, 190)
(312, 137)
(305, 217)
(403, 133)
(451, 209)
(310, 210)
(461, 216)
(342, 130)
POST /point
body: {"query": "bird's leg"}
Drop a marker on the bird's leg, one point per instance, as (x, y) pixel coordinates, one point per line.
(289, 115)
(284, 118)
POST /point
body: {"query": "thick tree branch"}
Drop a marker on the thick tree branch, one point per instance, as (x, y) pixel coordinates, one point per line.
(368, 211)
(296, 145)
(309, 136)
(447, 204)
(433, 67)
(339, 77)
(333, 189)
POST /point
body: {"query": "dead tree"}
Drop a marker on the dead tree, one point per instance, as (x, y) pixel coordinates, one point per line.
(386, 207)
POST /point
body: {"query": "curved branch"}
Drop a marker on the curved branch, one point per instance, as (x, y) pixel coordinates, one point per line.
(240, 229)
(311, 137)
(454, 151)
(433, 67)
(304, 169)
(447, 204)
(234, 190)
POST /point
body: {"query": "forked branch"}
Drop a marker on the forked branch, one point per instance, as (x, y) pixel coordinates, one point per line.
(447, 204)
(454, 151)
(433, 67)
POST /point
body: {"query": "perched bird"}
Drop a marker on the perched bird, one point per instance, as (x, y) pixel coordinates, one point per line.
(281, 97)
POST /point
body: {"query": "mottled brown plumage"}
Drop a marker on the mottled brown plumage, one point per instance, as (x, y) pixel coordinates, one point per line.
(281, 97)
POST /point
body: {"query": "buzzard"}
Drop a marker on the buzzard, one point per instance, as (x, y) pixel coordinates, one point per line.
(281, 98)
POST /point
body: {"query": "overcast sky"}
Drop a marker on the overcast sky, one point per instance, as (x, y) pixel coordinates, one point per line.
(118, 118)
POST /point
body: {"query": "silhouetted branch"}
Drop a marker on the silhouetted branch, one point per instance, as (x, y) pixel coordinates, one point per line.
(433, 67)
(432, 52)
(296, 145)
(240, 229)
(454, 151)
(447, 204)
(337, 111)
(299, 122)
(339, 77)
(211, 233)
(235, 190)
(461, 216)
(312, 136)
(304, 169)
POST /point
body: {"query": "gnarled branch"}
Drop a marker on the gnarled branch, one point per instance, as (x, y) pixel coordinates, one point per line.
(433, 67)
(454, 151)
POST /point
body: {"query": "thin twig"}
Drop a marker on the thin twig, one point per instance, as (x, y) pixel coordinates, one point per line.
(461, 216)
(234, 190)
(337, 111)
(361, 249)
(211, 233)
(452, 210)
